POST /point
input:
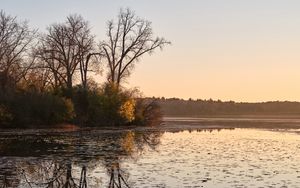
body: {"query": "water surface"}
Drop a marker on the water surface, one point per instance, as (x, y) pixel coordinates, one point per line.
(189, 155)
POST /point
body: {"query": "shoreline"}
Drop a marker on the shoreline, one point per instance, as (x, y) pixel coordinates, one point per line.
(184, 123)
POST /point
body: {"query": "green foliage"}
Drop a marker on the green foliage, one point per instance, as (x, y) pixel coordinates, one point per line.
(5, 116)
(113, 98)
(90, 107)
(80, 100)
(104, 106)
(37, 108)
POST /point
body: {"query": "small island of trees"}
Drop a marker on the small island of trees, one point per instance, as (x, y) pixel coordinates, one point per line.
(48, 78)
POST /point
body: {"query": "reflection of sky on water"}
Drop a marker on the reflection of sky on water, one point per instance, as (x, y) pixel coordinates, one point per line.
(209, 158)
(228, 158)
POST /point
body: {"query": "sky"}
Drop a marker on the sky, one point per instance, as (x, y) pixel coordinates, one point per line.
(237, 50)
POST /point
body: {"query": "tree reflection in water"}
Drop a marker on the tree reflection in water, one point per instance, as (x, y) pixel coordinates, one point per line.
(8, 175)
(64, 160)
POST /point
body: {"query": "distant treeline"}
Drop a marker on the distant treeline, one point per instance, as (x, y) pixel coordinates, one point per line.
(180, 107)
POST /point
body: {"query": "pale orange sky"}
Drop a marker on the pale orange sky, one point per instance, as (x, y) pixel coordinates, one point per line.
(229, 50)
(241, 73)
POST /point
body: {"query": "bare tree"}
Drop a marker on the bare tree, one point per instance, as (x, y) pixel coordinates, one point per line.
(38, 78)
(87, 55)
(128, 39)
(48, 62)
(67, 48)
(15, 40)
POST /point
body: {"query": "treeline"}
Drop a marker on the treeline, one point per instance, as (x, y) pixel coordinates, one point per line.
(48, 77)
(180, 107)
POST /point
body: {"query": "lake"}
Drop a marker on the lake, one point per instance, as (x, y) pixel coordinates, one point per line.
(182, 152)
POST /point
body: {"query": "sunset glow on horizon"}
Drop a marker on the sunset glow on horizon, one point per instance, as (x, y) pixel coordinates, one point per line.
(228, 50)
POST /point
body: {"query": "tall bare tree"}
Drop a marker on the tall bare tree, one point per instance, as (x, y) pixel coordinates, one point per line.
(67, 48)
(15, 40)
(128, 40)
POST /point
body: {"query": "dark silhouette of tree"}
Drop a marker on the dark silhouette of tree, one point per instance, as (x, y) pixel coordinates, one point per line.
(47, 66)
(67, 48)
(38, 79)
(86, 64)
(128, 40)
(15, 40)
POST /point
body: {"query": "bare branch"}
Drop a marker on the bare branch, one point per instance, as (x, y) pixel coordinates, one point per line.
(128, 40)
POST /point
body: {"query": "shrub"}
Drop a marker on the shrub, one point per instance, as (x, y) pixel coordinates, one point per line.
(127, 110)
(104, 106)
(5, 116)
(147, 112)
(31, 108)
